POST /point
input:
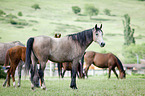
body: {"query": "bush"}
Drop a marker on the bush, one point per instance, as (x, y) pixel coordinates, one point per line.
(130, 52)
(2, 13)
(91, 10)
(76, 9)
(11, 16)
(20, 14)
(2, 73)
(35, 6)
(107, 12)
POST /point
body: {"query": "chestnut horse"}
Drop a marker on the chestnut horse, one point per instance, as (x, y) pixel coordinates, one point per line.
(66, 49)
(100, 60)
(14, 55)
(68, 67)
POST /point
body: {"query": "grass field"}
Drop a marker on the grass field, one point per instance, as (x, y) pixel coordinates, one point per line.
(57, 16)
(93, 86)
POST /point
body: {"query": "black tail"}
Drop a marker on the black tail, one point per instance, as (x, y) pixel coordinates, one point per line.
(120, 64)
(28, 53)
(82, 60)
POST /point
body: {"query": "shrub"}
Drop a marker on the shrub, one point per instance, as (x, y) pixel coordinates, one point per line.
(91, 10)
(11, 16)
(35, 6)
(130, 52)
(107, 12)
(20, 14)
(2, 13)
(76, 9)
(2, 73)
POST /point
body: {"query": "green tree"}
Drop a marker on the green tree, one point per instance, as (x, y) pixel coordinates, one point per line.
(91, 10)
(128, 32)
(20, 14)
(36, 6)
(107, 12)
(76, 9)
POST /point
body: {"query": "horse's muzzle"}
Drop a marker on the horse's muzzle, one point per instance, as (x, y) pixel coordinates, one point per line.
(102, 44)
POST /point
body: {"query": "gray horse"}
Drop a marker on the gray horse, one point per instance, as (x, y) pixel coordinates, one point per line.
(3, 49)
(66, 49)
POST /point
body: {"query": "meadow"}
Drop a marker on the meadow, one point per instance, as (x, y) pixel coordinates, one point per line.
(93, 86)
(56, 16)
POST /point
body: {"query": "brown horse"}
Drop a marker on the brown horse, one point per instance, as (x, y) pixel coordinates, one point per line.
(100, 60)
(14, 55)
(66, 49)
(68, 67)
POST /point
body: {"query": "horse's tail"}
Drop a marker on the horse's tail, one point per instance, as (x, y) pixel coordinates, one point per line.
(119, 64)
(28, 54)
(82, 64)
(82, 60)
(6, 59)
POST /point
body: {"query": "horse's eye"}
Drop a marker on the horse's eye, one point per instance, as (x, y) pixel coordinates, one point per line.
(97, 34)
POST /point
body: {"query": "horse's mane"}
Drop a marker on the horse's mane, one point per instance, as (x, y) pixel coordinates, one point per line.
(82, 37)
(120, 64)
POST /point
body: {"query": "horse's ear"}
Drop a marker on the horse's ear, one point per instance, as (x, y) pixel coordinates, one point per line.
(59, 35)
(101, 26)
(96, 26)
(55, 35)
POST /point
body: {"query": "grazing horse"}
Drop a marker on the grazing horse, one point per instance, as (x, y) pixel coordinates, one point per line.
(3, 49)
(100, 60)
(66, 49)
(14, 55)
(67, 66)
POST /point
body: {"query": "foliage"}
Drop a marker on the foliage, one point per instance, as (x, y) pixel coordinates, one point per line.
(2, 13)
(76, 9)
(128, 32)
(107, 12)
(11, 16)
(36, 6)
(91, 10)
(130, 52)
(2, 73)
(20, 14)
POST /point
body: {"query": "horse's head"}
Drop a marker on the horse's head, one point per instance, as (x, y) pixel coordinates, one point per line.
(57, 35)
(98, 35)
(36, 75)
(122, 75)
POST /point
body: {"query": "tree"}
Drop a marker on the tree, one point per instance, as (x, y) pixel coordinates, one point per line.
(107, 12)
(128, 32)
(76, 9)
(35, 6)
(91, 10)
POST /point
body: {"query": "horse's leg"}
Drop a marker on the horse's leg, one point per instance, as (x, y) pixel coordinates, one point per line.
(86, 70)
(109, 72)
(4, 84)
(115, 73)
(19, 72)
(8, 77)
(63, 73)
(74, 71)
(13, 76)
(43, 65)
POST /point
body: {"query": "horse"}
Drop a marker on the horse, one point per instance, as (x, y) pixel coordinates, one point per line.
(14, 55)
(68, 67)
(3, 49)
(69, 48)
(100, 60)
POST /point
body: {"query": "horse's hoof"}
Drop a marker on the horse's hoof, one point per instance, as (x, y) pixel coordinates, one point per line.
(44, 88)
(4, 85)
(19, 86)
(73, 87)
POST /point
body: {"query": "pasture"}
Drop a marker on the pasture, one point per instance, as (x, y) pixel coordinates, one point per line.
(57, 16)
(93, 86)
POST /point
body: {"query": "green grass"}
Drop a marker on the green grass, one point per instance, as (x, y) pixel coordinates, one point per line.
(93, 86)
(57, 16)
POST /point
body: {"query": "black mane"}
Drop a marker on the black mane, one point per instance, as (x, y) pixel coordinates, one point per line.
(82, 37)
